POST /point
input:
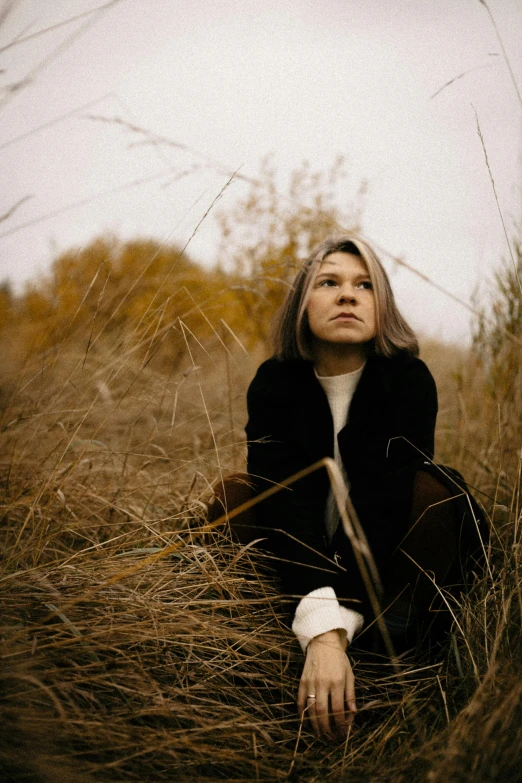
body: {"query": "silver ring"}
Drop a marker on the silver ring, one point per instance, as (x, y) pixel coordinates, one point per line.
(311, 696)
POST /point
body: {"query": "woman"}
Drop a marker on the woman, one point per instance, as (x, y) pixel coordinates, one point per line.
(345, 382)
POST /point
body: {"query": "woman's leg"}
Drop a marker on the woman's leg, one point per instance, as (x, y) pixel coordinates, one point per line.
(426, 560)
(229, 494)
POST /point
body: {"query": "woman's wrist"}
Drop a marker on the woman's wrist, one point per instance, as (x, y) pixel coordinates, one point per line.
(319, 611)
(336, 637)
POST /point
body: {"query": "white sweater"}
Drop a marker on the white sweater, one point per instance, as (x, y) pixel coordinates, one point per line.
(320, 611)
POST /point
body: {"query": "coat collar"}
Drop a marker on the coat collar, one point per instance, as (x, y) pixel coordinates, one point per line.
(311, 418)
(309, 411)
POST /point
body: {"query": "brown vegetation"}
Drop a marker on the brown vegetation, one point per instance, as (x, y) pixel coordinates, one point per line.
(138, 643)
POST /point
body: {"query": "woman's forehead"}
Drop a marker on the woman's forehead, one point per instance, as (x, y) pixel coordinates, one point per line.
(341, 259)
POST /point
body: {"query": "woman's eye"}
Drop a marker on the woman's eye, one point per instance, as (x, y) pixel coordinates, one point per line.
(327, 282)
(366, 284)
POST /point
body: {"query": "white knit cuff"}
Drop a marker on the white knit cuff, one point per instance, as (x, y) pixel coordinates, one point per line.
(320, 611)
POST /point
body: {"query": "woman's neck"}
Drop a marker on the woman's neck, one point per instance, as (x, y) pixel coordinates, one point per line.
(332, 359)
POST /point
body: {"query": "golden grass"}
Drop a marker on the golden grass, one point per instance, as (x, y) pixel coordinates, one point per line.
(121, 663)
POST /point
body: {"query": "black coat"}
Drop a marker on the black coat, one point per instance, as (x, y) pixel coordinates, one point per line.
(390, 428)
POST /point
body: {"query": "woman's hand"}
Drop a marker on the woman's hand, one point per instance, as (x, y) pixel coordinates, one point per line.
(328, 675)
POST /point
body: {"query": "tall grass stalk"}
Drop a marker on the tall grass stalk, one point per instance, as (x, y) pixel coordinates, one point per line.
(141, 643)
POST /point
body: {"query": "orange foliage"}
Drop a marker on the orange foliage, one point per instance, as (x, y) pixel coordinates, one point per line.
(6, 305)
(152, 297)
(146, 293)
(266, 235)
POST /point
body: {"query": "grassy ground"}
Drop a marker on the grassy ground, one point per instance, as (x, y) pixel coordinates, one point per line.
(137, 644)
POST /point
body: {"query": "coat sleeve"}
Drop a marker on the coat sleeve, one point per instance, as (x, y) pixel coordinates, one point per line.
(415, 402)
(399, 424)
(292, 518)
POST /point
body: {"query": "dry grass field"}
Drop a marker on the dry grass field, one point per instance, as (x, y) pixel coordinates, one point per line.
(139, 644)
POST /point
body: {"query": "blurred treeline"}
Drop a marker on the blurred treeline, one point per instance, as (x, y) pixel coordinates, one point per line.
(151, 295)
(150, 301)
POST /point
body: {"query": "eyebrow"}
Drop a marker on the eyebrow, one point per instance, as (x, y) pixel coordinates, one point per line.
(360, 276)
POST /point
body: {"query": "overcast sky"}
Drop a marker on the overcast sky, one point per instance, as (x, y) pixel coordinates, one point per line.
(234, 80)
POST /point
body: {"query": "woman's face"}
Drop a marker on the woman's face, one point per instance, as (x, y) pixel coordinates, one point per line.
(341, 304)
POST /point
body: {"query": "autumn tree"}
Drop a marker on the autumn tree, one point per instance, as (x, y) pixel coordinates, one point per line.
(151, 297)
(270, 230)
(140, 291)
(6, 305)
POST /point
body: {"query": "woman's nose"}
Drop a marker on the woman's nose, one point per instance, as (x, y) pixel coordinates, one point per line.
(346, 294)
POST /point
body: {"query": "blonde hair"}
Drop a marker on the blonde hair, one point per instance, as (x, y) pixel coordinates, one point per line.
(292, 335)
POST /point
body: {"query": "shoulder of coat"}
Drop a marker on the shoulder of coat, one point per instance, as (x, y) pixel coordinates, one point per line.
(402, 368)
(279, 377)
(400, 362)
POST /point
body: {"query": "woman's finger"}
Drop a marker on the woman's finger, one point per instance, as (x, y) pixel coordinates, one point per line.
(350, 690)
(338, 711)
(321, 714)
(301, 698)
(311, 705)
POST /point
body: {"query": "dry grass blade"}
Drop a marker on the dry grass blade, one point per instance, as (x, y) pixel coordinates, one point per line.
(138, 642)
(484, 149)
(504, 53)
(12, 210)
(457, 78)
(164, 666)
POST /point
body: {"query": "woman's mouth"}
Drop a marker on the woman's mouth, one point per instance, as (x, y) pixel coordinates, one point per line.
(346, 317)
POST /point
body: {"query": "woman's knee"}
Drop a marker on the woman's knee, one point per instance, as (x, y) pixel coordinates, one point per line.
(230, 493)
(428, 492)
(432, 537)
